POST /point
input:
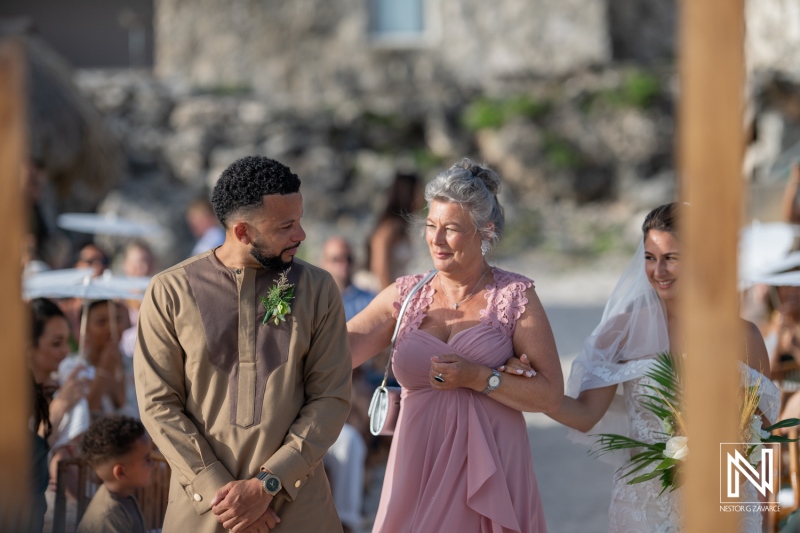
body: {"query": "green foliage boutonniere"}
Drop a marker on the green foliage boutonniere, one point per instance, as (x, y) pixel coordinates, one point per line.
(277, 300)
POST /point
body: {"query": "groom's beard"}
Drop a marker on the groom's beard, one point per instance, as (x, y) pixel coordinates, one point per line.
(272, 262)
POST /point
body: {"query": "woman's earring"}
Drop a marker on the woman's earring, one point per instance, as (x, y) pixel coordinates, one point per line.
(485, 247)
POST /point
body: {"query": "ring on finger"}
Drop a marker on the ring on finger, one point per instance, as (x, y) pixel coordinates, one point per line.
(439, 378)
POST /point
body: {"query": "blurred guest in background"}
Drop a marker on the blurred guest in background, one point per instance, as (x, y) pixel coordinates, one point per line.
(790, 205)
(345, 460)
(54, 400)
(337, 258)
(49, 347)
(137, 261)
(92, 256)
(389, 249)
(105, 321)
(204, 226)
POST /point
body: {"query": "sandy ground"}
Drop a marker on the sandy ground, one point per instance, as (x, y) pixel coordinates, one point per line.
(575, 488)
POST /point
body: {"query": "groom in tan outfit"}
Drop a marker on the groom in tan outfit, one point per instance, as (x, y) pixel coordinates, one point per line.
(244, 409)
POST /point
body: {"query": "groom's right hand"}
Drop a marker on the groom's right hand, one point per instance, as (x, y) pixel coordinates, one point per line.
(265, 523)
(241, 504)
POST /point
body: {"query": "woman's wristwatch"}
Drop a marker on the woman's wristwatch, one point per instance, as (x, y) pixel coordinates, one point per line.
(493, 382)
(270, 482)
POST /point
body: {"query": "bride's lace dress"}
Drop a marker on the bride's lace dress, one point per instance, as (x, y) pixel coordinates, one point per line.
(642, 507)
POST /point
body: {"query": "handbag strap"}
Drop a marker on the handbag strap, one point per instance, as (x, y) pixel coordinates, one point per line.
(417, 287)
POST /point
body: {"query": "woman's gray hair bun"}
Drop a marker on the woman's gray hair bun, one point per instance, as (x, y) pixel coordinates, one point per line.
(475, 187)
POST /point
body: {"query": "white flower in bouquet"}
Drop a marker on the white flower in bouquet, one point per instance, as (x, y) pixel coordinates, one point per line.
(756, 430)
(755, 455)
(677, 448)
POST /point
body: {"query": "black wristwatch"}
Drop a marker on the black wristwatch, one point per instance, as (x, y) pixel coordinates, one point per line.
(270, 482)
(492, 382)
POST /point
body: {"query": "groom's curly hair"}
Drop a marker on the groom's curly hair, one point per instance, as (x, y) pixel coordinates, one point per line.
(246, 181)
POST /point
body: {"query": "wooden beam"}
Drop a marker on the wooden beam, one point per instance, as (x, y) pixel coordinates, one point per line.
(15, 379)
(710, 147)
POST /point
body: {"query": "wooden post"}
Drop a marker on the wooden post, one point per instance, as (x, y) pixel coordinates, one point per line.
(711, 140)
(15, 380)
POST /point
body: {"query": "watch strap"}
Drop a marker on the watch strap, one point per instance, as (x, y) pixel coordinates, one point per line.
(264, 477)
(489, 387)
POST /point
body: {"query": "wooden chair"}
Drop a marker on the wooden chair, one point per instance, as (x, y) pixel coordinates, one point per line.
(786, 377)
(790, 461)
(152, 499)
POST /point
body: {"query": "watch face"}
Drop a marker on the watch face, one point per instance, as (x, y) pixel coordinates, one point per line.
(273, 485)
(494, 381)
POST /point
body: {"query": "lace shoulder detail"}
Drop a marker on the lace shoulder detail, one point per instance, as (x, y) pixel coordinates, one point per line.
(415, 311)
(506, 301)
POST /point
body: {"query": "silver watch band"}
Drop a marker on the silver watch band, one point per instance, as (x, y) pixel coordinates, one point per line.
(489, 388)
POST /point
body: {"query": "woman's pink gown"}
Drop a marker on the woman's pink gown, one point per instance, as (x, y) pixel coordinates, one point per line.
(460, 461)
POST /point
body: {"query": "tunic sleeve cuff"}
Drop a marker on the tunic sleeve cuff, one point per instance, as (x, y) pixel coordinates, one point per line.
(291, 468)
(205, 484)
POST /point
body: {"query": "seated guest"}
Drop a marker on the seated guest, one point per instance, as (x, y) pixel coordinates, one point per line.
(105, 320)
(55, 400)
(118, 449)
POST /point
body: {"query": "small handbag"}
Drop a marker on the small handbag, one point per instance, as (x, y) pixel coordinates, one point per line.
(385, 404)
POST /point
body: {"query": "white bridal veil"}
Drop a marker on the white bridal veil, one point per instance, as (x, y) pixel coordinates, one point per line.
(633, 327)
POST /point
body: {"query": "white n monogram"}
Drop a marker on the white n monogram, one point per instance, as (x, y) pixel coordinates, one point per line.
(737, 464)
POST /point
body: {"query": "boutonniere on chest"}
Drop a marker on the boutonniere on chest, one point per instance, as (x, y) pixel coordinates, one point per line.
(276, 302)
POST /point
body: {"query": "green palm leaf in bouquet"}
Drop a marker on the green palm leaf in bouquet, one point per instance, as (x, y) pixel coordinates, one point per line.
(664, 398)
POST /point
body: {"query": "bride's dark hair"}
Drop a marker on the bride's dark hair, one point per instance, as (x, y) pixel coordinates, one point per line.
(663, 218)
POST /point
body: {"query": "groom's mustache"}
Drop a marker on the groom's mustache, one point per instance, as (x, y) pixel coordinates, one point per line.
(296, 246)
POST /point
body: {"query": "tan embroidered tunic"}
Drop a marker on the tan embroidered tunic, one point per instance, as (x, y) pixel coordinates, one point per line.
(224, 396)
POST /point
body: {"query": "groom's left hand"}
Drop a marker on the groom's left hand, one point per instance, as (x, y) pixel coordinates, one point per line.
(239, 504)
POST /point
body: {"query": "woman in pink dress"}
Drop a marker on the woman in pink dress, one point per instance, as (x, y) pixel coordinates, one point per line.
(460, 458)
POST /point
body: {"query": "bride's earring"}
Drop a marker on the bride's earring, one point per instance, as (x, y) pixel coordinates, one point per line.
(485, 247)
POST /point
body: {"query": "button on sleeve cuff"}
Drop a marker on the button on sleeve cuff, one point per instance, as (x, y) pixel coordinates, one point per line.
(291, 468)
(203, 487)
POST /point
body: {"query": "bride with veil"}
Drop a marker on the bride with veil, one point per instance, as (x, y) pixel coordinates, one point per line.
(608, 377)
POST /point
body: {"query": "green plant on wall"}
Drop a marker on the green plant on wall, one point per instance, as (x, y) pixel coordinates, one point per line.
(637, 90)
(560, 153)
(488, 113)
(425, 159)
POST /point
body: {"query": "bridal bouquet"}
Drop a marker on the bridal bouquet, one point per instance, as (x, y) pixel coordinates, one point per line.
(664, 399)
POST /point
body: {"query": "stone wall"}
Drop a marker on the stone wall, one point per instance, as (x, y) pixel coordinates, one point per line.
(595, 138)
(317, 53)
(773, 36)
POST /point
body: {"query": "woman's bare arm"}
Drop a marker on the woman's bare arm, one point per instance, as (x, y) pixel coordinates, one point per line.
(370, 331)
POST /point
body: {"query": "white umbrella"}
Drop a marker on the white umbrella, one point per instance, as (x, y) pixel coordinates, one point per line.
(79, 283)
(784, 279)
(107, 225)
(762, 246)
(52, 283)
(789, 262)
